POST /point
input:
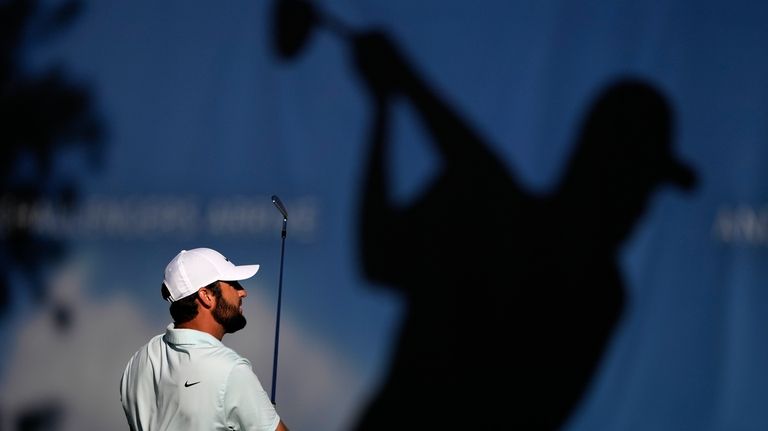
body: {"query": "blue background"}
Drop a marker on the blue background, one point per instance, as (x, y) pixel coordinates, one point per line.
(200, 114)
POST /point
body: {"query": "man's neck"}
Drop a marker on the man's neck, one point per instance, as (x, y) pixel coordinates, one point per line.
(208, 326)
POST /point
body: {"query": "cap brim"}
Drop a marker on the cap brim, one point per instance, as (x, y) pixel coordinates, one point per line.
(241, 272)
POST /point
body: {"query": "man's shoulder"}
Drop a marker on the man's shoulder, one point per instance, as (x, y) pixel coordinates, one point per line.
(153, 343)
(227, 355)
(146, 348)
(217, 363)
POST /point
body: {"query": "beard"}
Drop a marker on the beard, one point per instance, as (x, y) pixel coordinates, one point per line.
(229, 316)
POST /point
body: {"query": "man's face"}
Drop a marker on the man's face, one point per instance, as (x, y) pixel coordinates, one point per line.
(228, 311)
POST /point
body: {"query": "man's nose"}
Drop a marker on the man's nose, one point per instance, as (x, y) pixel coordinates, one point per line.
(243, 293)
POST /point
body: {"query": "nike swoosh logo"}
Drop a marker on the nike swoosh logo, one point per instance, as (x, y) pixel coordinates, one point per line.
(187, 384)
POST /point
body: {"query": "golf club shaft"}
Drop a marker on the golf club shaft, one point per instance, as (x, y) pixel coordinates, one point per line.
(280, 207)
(277, 318)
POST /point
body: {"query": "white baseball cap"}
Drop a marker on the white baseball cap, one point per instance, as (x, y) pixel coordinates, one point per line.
(192, 269)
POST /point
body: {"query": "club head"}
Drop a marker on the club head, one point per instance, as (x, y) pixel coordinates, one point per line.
(294, 21)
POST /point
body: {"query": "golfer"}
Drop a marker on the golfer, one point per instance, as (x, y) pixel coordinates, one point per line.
(186, 379)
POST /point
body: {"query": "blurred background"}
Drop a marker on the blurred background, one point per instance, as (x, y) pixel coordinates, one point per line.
(132, 130)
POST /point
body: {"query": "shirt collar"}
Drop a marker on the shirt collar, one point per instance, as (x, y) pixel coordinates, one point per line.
(182, 336)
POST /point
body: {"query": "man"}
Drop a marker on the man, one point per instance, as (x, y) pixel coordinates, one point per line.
(186, 379)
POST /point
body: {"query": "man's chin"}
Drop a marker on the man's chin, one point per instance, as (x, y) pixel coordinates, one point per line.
(235, 324)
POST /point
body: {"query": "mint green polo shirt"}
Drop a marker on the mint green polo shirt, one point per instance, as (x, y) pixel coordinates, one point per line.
(188, 380)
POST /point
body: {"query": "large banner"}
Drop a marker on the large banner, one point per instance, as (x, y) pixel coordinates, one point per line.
(525, 215)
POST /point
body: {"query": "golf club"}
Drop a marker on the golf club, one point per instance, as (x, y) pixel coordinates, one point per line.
(294, 23)
(280, 207)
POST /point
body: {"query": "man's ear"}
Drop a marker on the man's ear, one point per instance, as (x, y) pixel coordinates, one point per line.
(206, 297)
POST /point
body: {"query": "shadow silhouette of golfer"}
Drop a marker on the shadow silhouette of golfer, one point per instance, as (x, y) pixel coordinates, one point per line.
(510, 298)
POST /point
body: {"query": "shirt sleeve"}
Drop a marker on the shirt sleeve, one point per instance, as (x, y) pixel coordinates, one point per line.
(246, 404)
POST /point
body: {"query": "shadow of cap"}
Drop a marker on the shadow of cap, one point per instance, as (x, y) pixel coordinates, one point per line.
(630, 127)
